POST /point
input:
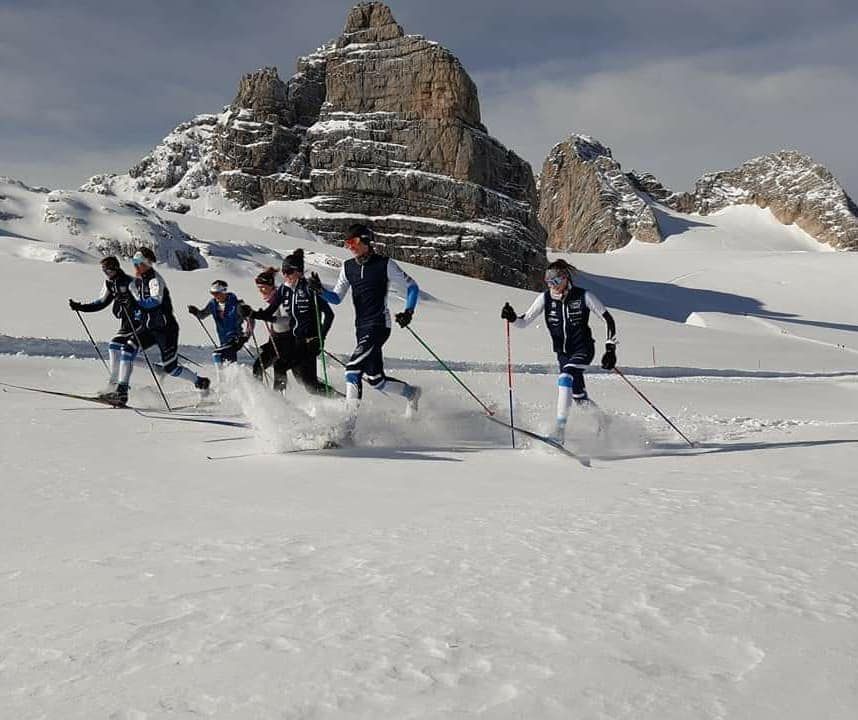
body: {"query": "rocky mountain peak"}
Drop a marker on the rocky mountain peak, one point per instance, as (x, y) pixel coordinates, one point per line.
(587, 203)
(376, 126)
(370, 22)
(263, 92)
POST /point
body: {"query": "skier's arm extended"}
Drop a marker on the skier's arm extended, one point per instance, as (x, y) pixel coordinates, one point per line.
(599, 309)
(268, 314)
(101, 302)
(405, 282)
(207, 309)
(341, 289)
(534, 311)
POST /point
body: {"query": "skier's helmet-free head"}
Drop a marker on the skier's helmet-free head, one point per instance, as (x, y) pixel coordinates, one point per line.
(110, 265)
(293, 262)
(265, 280)
(358, 235)
(219, 287)
(559, 272)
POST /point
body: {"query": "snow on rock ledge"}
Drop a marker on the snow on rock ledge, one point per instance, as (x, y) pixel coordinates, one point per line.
(60, 226)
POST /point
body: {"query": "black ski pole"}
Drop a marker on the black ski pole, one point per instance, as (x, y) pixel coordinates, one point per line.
(145, 355)
(455, 377)
(205, 330)
(259, 358)
(335, 359)
(187, 359)
(647, 401)
(89, 335)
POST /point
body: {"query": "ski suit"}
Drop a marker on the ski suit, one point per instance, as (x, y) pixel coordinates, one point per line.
(231, 328)
(568, 322)
(294, 343)
(369, 281)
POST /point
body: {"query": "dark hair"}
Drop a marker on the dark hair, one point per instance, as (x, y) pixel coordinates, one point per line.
(294, 261)
(111, 261)
(561, 264)
(363, 232)
(148, 254)
(266, 277)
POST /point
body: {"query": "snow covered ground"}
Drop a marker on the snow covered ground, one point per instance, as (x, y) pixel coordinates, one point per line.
(432, 571)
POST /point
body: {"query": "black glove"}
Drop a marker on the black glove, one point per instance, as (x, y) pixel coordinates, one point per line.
(609, 359)
(75, 305)
(194, 310)
(404, 318)
(508, 314)
(245, 310)
(315, 283)
(313, 345)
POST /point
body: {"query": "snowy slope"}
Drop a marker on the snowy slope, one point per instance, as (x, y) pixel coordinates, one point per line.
(432, 571)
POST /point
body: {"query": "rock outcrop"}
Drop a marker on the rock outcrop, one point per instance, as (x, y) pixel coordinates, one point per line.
(587, 203)
(793, 186)
(375, 126)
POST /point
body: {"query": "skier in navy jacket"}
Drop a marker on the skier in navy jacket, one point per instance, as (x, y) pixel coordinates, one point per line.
(117, 291)
(230, 318)
(369, 276)
(566, 310)
(295, 342)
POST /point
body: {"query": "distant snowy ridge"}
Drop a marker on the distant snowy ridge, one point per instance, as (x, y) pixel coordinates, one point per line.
(588, 204)
(62, 225)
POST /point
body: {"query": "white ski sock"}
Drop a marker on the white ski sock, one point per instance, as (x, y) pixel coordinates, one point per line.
(564, 397)
(126, 365)
(114, 352)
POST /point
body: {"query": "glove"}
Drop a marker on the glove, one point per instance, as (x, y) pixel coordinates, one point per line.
(609, 359)
(404, 318)
(75, 305)
(313, 345)
(194, 310)
(245, 310)
(508, 314)
(315, 283)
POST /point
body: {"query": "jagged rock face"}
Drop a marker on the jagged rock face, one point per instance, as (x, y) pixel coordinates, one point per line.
(375, 126)
(793, 186)
(587, 203)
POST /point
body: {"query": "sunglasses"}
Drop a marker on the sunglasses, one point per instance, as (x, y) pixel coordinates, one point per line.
(352, 243)
(556, 281)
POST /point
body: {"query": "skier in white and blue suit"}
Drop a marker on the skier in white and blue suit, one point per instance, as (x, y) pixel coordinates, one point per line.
(369, 276)
(566, 310)
(229, 315)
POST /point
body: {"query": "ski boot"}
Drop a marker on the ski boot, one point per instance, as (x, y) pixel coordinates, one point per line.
(413, 402)
(118, 397)
(203, 384)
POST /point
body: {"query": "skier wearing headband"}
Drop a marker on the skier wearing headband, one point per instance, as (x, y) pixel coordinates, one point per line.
(566, 310)
(230, 317)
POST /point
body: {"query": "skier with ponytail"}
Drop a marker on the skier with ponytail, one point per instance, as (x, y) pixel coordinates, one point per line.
(566, 310)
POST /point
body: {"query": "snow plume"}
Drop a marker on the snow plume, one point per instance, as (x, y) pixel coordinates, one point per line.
(299, 422)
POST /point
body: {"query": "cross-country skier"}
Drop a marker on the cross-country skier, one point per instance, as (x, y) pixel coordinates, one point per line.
(278, 325)
(229, 313)
(117, 291)
(369, 276)
(566, 309)
(295, 333)
(158, 326)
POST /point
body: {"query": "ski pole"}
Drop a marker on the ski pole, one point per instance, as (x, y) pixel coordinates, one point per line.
(89, 335)
(647, 401)
(146, 355)
(187, 359)
(205, 329)
(455, 377)
(321, 344)
(335, 358)
(509, 373)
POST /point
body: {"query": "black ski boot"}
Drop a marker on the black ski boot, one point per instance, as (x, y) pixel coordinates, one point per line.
(203, 384)
(118, 397)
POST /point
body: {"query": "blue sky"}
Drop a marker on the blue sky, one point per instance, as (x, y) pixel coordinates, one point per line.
(675, 88)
